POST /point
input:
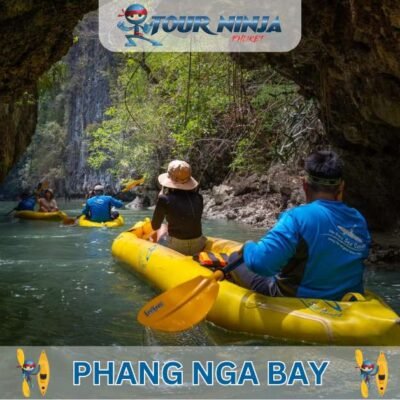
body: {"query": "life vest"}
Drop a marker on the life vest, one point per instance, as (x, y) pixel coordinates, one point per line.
(211, 260)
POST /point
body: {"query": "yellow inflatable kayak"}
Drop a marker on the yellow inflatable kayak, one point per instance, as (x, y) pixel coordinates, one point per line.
(47, 216)
(382, 376)
(362, 321)
(43, 378)
(110, 224)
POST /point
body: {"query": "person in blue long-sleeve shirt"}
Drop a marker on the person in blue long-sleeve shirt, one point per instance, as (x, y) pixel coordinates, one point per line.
(315, 250)
(27, 202)
(98, 207)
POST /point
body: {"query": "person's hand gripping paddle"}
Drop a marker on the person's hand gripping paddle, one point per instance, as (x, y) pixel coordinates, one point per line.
(185, 305)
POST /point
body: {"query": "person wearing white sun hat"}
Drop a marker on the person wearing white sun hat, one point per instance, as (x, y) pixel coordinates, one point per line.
(182, 206)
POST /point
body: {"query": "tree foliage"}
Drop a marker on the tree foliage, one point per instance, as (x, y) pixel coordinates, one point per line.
(201, 107)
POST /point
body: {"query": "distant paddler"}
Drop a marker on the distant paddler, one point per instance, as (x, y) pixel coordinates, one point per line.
(98, 207)
(26, 202)
(48, 203)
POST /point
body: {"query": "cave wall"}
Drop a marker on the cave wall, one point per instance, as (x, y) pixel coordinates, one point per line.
(349, 60)
(34, 34)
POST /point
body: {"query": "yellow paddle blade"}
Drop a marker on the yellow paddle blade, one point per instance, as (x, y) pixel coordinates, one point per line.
(359, 358)
(183, 306)
(69, 221)
(20, 357)
(364, 389)
(382, 376)
(26, 390)
(131, 184)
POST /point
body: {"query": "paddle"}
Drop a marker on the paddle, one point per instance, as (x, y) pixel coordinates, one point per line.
(185, 305)
(131, 184)
(360, 361)
(70, 220)
(6, 215)
(26, 391)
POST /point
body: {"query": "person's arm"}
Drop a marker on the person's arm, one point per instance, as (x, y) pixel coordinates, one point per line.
(54, 205)
(159, 213)
(116, 203)
(42, 205)
(273, 251)
(85, 210)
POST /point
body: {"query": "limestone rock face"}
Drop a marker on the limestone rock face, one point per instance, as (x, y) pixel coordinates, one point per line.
(34, 34)
(349, 59)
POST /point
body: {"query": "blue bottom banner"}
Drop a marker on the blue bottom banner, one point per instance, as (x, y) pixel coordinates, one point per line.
(247, 372)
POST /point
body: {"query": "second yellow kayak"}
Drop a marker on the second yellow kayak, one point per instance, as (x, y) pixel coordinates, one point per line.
(110, 224)
(38, 215)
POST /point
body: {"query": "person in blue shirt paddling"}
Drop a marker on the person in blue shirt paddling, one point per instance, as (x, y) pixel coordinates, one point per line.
(27, 202)
(98, 207)
(315, 250)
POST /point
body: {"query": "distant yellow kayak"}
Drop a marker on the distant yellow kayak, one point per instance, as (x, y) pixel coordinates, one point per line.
(43, 377)
(356, 320)
(47, 216)
(110, 224)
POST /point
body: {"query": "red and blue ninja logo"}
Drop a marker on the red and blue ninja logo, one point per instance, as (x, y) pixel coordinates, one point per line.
(135, 27)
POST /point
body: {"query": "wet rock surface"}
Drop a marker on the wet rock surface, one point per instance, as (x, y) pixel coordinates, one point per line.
(253, 199)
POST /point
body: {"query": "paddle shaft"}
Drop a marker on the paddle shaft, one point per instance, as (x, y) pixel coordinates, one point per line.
(234, 264)
(219, 274)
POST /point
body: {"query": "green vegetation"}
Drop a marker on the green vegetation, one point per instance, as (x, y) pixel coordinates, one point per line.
(202, 108)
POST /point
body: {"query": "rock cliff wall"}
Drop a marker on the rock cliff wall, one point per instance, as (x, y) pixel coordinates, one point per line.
(87, 97)
(349, 59)
(34, 34)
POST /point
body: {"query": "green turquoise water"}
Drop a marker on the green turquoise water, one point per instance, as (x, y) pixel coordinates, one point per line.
(59, 285)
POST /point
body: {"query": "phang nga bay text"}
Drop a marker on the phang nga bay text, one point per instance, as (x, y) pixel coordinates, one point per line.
(232, 24)
(209, 373)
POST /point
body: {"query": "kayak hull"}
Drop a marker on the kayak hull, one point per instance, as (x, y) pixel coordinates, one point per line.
(367, 321)
(43, 378)
(38, 215)
(85, 223)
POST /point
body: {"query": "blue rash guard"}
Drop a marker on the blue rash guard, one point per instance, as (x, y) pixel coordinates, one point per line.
(315, 251)
(98, 208)
(26, 204)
